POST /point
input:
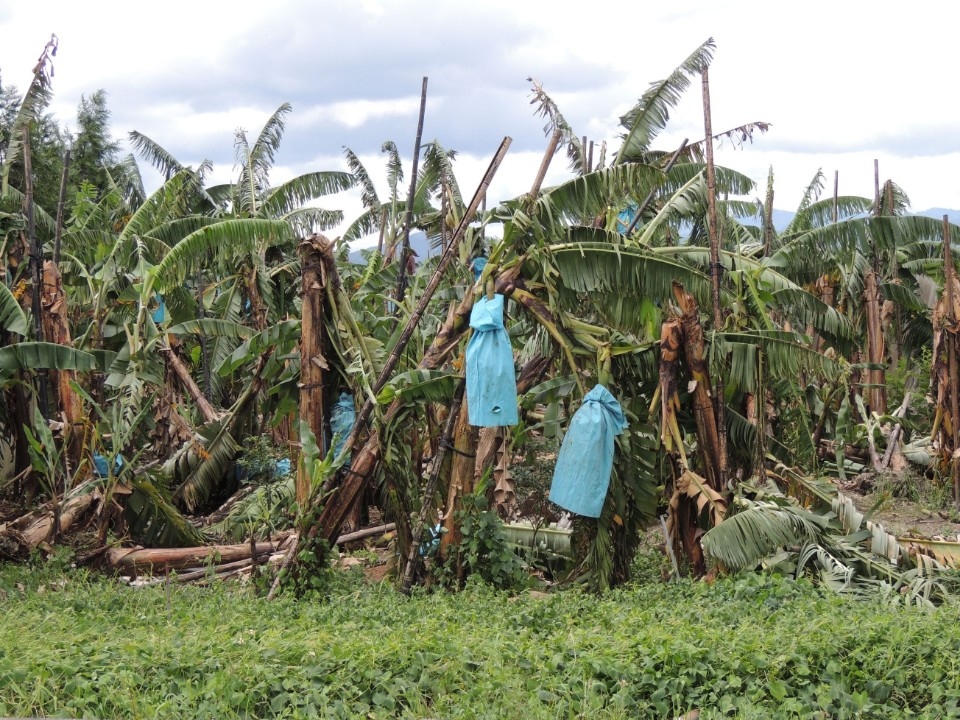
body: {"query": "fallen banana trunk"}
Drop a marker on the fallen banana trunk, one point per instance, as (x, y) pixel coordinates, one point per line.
(19, 537)
(214, 558)
(128, 560)
(212, 571)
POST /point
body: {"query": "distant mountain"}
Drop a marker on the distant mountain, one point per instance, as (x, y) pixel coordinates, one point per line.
(938, 213)
(418, 243)
(782, 218)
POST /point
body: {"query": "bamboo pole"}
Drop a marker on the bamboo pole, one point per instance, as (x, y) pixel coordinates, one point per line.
(715, 268)
(408, 216)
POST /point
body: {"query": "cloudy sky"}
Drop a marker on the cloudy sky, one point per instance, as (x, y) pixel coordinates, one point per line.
(841, 82)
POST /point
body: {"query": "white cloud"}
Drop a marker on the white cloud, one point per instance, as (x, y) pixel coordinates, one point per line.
(841, 82)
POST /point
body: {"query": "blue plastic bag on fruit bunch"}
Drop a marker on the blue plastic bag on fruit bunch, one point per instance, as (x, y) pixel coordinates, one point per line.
(582, 473)
(491, 380)
(478, 265)
(342, 418)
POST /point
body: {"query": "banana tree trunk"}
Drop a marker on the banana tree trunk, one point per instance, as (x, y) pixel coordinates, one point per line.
(313, 256)
(461, 483)
(158, 559)
(258, 311)
(694, 351)
(945, 374)
(365, 462)
(20, 537)
(56, 329)
(175, 364)
(876, 394)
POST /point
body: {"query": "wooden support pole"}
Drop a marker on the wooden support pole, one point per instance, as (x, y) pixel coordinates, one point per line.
(408, 216)
(715, 270)
(545, 163)
(61, 208)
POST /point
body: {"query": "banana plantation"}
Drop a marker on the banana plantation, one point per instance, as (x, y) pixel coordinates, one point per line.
(201, 380)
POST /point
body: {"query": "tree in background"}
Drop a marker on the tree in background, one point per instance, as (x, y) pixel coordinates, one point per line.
(93, 150)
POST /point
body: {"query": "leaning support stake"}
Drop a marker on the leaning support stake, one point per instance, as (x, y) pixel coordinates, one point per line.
(331, 519)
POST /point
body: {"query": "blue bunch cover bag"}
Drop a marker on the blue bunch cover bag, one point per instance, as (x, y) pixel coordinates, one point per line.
(582, 473)
(342, 418)
(491, 381)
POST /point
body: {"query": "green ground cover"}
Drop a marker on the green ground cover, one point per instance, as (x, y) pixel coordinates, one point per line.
(78, 645)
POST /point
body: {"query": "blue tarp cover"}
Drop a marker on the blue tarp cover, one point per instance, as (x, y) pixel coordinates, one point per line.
(342, 418)
(491, 382)
(582, 474)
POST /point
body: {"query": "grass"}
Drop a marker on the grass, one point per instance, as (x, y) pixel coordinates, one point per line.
(79, 645)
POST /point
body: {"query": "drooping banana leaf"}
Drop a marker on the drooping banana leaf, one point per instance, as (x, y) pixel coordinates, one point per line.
(12, 317)
(153, 519)
(44, 356)
(744, 538)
